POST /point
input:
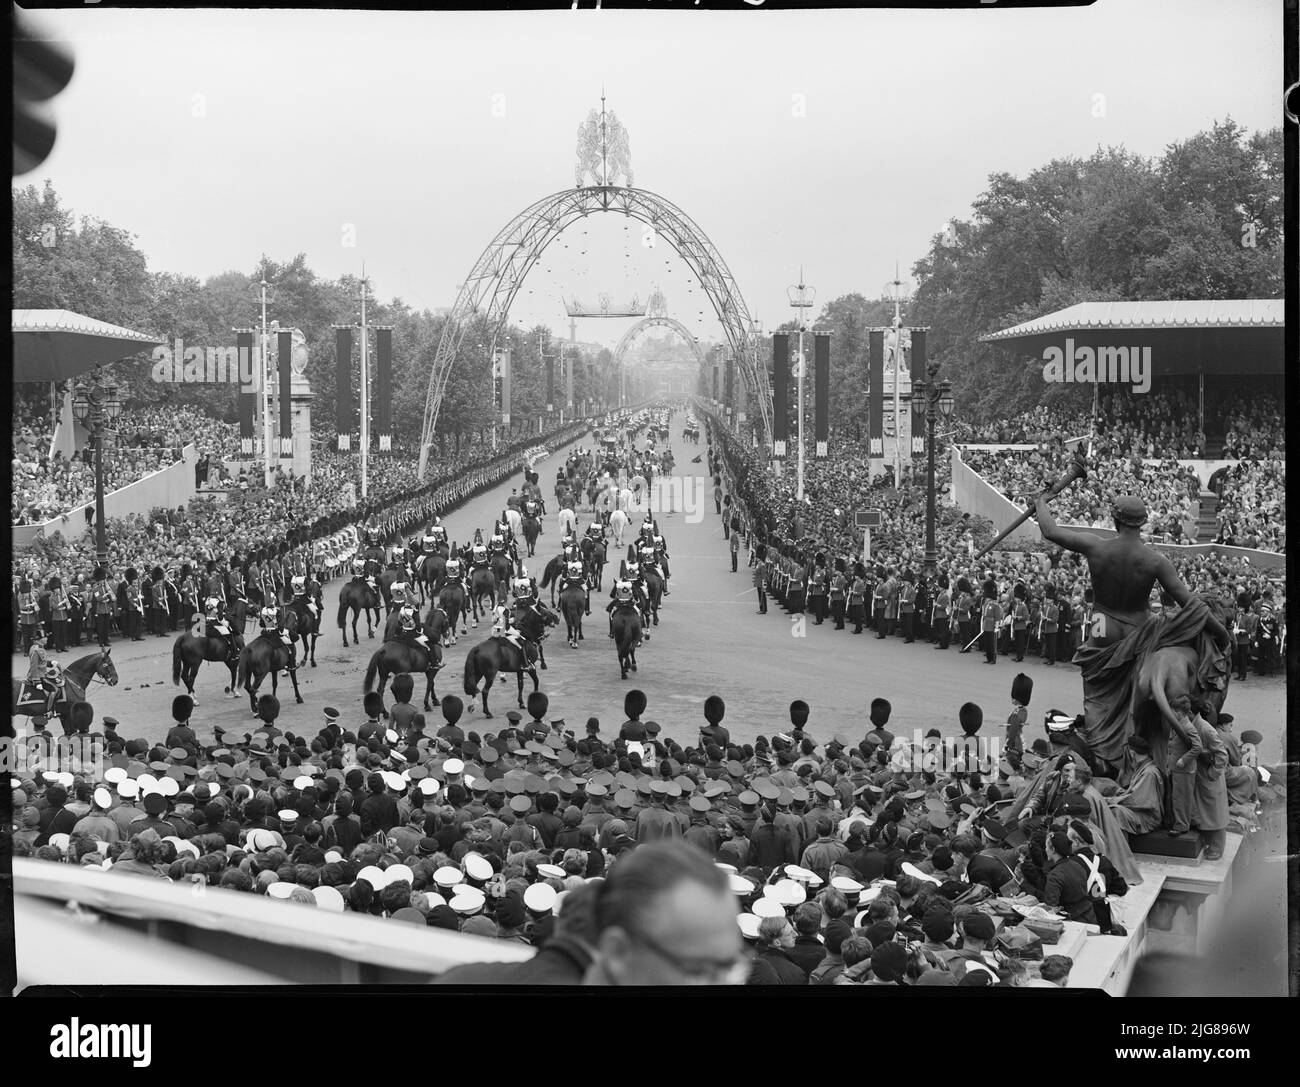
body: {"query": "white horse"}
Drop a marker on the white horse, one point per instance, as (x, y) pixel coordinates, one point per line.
(568, 521)
(618, 525)
(516, 522)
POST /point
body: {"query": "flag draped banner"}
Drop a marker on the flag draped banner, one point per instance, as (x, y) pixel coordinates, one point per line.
(876, 394)
(345, 413)
(247, 396)
(286, 394)
(780, 392)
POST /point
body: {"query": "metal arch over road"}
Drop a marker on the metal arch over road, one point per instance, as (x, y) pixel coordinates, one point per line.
(490, 288)
(647, 323)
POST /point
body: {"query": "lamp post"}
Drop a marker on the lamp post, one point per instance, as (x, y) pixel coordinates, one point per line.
(801, 299)
(931, 398)
(96, 407)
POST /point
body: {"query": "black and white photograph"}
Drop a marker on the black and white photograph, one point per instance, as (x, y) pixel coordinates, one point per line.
(439, 435)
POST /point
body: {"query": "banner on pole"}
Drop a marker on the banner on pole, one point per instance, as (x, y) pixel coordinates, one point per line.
(822, 391)
(247, 395)
(876, 393)
(285, 341)
(384, 387)
(345, 413)
(780, 392)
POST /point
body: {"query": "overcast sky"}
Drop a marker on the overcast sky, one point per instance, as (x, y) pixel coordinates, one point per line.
(217, 136)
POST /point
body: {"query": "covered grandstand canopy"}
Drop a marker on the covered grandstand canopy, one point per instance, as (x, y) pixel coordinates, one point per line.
(1228, 336)
(57, 344)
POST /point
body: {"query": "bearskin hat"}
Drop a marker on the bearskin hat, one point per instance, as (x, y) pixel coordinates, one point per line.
(963, 585)
(714, 708)
(100, 573)
(990, 589)
(156, 573)
(54, 583)
(132, 573)
(634, 703)
(1022, 687)
(1020, 592)
(1243, 600)
(538, 703)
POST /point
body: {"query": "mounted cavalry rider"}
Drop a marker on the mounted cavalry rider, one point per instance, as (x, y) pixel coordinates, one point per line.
(575, 576)
(44, 675)
(455, 573)
(623, 598)
(301, 591)
(218, 627)
(650, 533)
(504, 614)
(272, 627)
(498, 542)
(408, 627)
(630, 573)
(214, 584)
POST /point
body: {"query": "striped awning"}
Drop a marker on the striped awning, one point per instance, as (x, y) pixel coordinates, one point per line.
(57, 344)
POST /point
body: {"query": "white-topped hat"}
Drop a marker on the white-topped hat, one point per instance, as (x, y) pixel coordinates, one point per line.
(328, 898)
(730, 869)
(846, 886)
(477, 867)
(287, 815)
(393, 780)
(540, 897)
(128, 788)
(467, 900)
(749, 923)
(768, 907)
(447, 876)
(551, 871)
(786, 891)
(434, 899)
(395, 872)
(280, 890)
(146, 783)
(740, 885)
(303, 781)
(391, 735)
(909, 869)
(115, 774)
(429, 786)
(103, 798)
(453, 766)
(259, 840)
(60, 841)
(374, 876)
(168, 786)
(333, 856)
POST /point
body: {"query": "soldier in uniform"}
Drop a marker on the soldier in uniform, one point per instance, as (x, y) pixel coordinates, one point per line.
(575, 576)
(1049, 621)
(941, 612)
(158, 613)
(76, 609)
(622, 598)
(60, 607)
(965, 612)
(214, 584)
(272, 628)
(907, 605)
(838, 594)
(44, 676)
(133, 612)
(818, 588)
(1019, 620)
(29, 613)
(858, 598)
(990, 621)
(218, 626)
(1244, 624)
(880, 602)
(100, 605)
(408, 626)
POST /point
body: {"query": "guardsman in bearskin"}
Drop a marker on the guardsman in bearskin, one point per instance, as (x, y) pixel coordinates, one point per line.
(1049, 624)
(60, 608)
(965, 610)
(880, 597)
(925, 590)
(991, 615)
(941, 612)
(214, 584)
(838, 593)
(818, 588)
(235, 581)
(858, 597)
(1244, 625)
(158, 603)
(907, 605)
(133, 608)
(29, 613)
(100, 605)
(1020, 620)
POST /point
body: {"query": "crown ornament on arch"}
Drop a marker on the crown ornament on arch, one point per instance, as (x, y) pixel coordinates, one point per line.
(604, 155)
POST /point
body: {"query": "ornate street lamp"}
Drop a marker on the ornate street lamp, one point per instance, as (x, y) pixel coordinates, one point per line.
(931, 398)
(97, 407)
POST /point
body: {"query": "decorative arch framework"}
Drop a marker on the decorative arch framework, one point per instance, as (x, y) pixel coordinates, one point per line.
(647, 323)
(491, 286)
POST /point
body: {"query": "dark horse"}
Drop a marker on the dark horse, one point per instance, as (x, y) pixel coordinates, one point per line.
(654, 591)
(261, 657)
(482, 583)
(596, 553)
(436, 625)
(303, 623)
(532, 528)
(573, 603)
(552, 574)
(627, 634)
(77, 676)
(192, 648)
(395, 657)
(431, 571)
(485, 661)
(358, 597)
(453, 600)
(502, 569)
(393, 572)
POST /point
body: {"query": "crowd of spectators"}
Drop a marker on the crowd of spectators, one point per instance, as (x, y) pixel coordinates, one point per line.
(871, 859)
